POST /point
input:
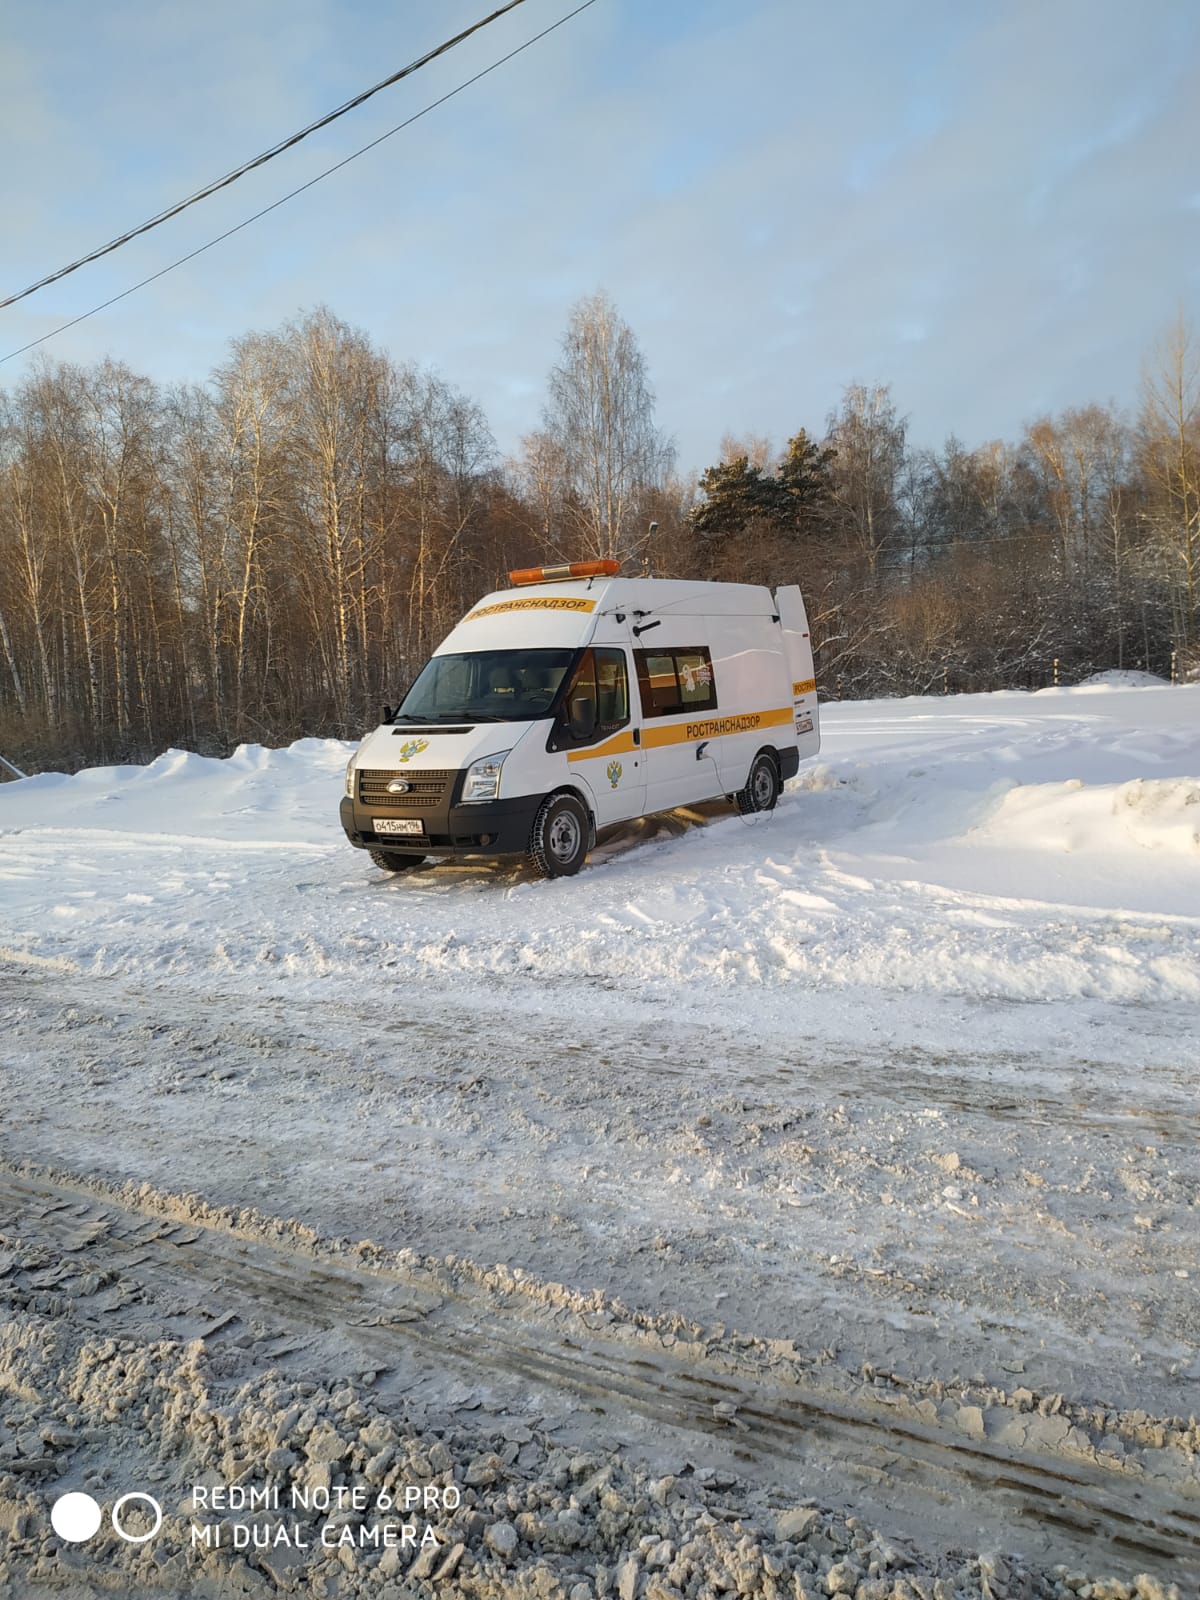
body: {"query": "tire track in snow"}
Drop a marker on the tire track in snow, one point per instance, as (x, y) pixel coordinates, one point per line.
(285, 1288)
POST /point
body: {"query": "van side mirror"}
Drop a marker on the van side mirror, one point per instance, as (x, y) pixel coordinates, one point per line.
(388, 713)
(581, 716)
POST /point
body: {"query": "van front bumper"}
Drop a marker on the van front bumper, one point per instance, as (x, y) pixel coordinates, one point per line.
(486, 827)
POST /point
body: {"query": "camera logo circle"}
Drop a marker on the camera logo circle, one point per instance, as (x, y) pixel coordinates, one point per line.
(137, 1538)
(75, 1517)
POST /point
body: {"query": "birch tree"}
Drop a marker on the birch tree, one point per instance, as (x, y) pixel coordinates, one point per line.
(1170, 427)
(251, 421)
(599, 425)
(866, 438)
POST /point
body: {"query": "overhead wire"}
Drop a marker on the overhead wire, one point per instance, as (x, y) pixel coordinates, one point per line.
(291, 195)
(259, 160)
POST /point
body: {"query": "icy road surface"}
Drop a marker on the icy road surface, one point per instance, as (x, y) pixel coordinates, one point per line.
(880, 1111)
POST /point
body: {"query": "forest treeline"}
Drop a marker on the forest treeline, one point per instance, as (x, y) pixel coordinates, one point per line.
(274, 553)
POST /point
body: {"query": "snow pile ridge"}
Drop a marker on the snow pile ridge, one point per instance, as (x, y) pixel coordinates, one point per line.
(1122, 678)
(1161, 814)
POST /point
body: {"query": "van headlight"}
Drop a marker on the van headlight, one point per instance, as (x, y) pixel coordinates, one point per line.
(350, 778)
(483, 778)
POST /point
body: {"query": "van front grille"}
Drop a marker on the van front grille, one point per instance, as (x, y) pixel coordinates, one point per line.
(425, 789)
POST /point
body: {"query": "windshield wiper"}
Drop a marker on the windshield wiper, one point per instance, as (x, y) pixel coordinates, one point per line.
(439, 716)
(460, 716)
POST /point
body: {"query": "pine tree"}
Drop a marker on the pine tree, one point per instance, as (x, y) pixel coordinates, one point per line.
(737, 494)
(803, 476)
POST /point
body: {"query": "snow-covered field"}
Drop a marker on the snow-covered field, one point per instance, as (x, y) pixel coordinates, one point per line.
(845, 1155)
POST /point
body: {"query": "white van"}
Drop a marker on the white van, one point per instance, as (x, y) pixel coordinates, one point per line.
(579, 699)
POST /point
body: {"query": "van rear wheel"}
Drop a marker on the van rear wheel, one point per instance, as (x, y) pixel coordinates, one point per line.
(558, 843)
(762, 786)
(391, 862)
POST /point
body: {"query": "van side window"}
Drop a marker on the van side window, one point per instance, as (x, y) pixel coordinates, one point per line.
(673, 681)
(612, 689)
(603, 678)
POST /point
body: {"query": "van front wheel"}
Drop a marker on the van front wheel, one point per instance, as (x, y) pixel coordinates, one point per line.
(558, 844)
(762, 787)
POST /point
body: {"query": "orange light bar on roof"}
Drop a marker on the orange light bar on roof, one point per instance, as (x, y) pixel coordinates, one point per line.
(572, 569)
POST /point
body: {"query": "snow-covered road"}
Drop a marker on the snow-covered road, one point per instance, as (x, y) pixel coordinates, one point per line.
(902, 1076)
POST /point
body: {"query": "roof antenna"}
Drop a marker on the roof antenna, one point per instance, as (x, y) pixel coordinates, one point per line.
(653, 529)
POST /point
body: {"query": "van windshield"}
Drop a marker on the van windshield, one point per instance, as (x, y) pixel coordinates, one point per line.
(487, 686)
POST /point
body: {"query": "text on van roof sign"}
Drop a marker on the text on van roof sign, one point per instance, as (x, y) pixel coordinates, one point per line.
(564, 603)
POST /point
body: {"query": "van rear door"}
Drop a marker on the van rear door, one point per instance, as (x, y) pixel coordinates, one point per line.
(798, 649)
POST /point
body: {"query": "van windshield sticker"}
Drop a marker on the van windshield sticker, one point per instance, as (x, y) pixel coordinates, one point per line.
(564, 603)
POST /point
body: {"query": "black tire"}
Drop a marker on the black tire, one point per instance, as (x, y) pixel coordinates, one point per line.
(560, 838)
(762, 786)
(391, 862)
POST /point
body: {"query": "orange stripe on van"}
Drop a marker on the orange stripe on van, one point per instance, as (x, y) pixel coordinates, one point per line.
(806, 687)
(618, 745)
(656, 736)
(715, 727)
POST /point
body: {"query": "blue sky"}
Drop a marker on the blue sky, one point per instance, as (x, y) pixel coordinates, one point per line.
(995, 208)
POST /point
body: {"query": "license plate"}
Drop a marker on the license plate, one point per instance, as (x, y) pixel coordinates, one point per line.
(398, 825)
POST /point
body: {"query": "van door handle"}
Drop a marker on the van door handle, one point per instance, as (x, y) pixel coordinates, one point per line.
(637, 736)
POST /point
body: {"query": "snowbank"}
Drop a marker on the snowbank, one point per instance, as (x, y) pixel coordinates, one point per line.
(1160, 814)
(1026, 847)
(1123, 678)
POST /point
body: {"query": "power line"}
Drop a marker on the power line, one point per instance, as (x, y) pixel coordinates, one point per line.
(229, 232)
(259, 160)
